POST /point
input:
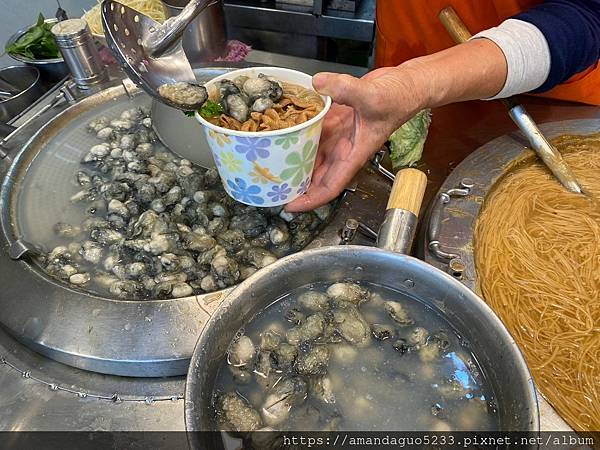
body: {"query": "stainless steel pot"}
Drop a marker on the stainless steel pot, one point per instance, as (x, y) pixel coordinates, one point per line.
(205, 38)
(27, 80)
(184, 135)
(499, 357)
(447, 233)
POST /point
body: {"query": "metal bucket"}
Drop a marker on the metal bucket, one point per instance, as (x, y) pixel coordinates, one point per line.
(495, 349)
(27, 80)
(205, 38)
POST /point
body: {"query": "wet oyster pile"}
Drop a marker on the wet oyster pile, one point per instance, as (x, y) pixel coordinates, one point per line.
(344, 357)
(244, 95)
(260, 103)
(157, 226)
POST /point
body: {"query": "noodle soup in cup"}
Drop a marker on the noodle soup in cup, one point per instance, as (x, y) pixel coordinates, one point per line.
(266, 168)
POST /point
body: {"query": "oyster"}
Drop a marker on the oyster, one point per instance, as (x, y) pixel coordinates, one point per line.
(314, 362)
(322, 389)
(284, 395)
(237, 414)
(242, 351)
(185, 94)
(263, 87)
(284, 356)
(398, 313)
(418, 336)
(351, 325)
(66, 230)
(349, 292)
(269, 340)
(162, 226)
(236, 107)
(261, 104)
(309, 330)
(314, 301)
(263, 367)
(79, 278)
(382, 332)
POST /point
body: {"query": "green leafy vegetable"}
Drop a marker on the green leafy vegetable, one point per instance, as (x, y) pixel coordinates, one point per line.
(407, 141)
(211, 109)
(37, 43)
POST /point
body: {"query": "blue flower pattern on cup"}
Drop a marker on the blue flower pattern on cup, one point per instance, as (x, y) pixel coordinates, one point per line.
(253, 148)
(280, 193)
(304, 186)
(244, 193)
(268, 171)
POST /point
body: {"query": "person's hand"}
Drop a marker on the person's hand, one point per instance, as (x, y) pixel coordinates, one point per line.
(364, 114)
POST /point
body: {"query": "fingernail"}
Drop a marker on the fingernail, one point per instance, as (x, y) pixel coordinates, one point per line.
(319, 81)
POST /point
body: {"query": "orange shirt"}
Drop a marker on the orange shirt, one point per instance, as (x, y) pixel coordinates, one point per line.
(410, 28)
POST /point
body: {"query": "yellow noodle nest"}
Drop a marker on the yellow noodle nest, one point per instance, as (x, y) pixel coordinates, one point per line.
(297, 105)
(537, 252)
(151, 8)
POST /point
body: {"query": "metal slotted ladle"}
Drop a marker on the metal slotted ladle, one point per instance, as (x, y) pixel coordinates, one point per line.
(150, 53)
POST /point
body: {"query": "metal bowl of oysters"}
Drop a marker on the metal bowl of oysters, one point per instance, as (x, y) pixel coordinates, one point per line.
(356, 338)
(115, 251)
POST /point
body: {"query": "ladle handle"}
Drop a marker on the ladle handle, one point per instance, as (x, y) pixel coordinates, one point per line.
(408, 191)
(454, 25)
(546, 151)
(400, 224)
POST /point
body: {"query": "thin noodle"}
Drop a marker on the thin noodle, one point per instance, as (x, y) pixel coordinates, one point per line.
(151, 8)
(537, 255)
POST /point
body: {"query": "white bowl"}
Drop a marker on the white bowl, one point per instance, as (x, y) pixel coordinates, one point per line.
(266, 168)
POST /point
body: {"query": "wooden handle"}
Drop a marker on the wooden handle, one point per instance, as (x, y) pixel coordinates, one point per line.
(408, 191)
(454, 25)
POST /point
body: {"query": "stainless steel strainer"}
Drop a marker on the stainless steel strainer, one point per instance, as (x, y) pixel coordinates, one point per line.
(150, 53)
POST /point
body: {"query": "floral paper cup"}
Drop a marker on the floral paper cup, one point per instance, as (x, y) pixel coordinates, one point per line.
(266, 168)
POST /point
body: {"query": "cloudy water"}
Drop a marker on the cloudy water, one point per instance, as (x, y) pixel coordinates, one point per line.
(352, 359)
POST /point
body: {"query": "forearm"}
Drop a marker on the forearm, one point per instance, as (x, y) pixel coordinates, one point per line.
(474, 70)
(542, 48)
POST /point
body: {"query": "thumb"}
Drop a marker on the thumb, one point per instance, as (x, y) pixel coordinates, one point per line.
(343, 89)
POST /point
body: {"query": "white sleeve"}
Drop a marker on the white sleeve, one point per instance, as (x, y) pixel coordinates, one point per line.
(527, 55)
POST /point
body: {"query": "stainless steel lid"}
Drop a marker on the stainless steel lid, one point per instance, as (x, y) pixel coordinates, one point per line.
(68, 30)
